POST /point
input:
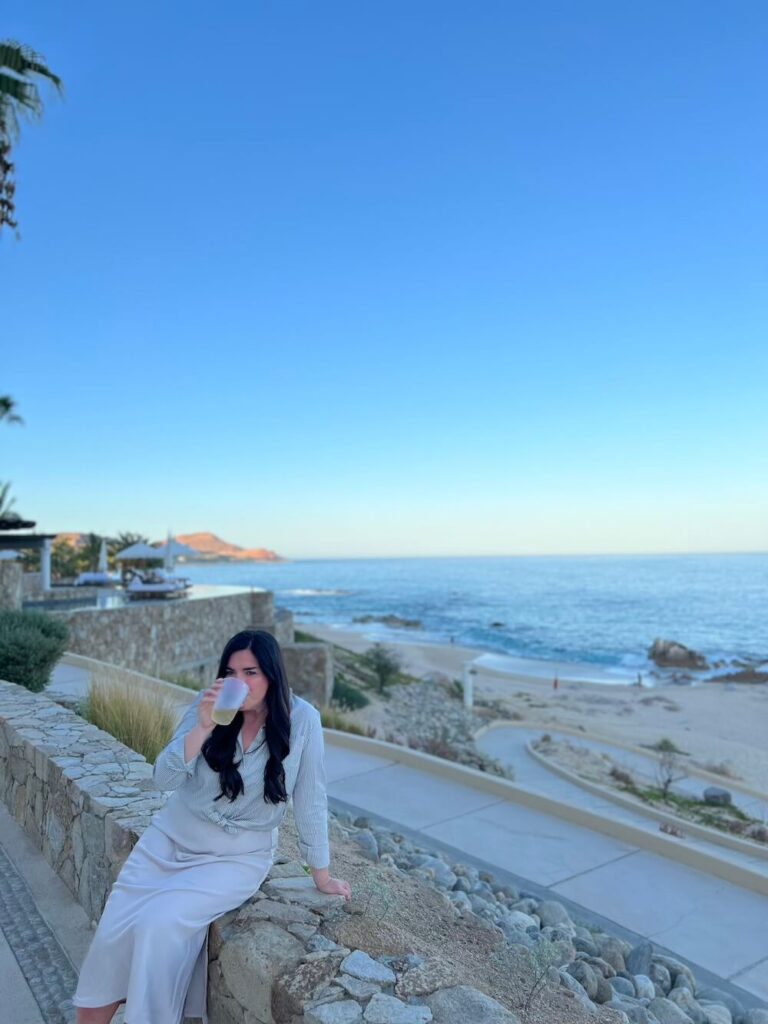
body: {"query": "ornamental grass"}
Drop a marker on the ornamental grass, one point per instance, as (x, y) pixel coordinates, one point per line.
(142, 720)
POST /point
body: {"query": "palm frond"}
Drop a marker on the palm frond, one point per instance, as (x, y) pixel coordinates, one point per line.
(24, 61)
(21, 92)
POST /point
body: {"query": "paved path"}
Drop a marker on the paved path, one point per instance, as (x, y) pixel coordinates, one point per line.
(44, 934)
(711, 923)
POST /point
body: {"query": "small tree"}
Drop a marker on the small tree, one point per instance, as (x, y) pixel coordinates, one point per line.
(384, 663)
(670, 770)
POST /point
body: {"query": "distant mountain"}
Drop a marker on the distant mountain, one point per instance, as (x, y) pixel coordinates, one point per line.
(211, 548)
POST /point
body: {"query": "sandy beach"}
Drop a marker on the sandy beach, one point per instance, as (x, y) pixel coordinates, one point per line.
(717, 724)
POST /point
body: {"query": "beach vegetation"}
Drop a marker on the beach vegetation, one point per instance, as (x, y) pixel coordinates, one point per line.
(304, 638)
(347, 696)
(30, 645)
(669, 770)
(333, 719)
(20, 70)
(384, 663)
(666, 746)
(141, 719)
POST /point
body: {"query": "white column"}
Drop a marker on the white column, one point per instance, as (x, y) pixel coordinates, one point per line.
(469, 674)
(45, 565)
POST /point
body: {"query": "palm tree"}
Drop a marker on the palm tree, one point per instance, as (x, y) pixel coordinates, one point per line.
(19, 96)
(7, 503)
(7, 407)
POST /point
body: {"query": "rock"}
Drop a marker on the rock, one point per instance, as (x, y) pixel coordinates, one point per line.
(602, 966)
(443, 874)
(389, 1010)
(251, 960)
(358, 989)
(362, 966)
(577, 990)
(667, 1012)
(755, 1016)
(660, 976)
(612, 951)
(604, 991)
(717, 796)
(623, 986)
(634, 1013)
(462, 1003)
(552, 913)
(517, 919)
(345, 1012)
(644, 987)
(586, 945)
(424, 979)
(302, 891)
(299, 986)
(678, 971)
(639, 959)
(366, 840)
(671, 654)
(586, 976)
(711, 994)
(716, 1013)
(682, 996)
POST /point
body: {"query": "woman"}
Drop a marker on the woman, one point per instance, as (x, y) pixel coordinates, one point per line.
(212, 844)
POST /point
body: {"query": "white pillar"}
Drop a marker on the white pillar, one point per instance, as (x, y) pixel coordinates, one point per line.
(45, 565)
(469, 674)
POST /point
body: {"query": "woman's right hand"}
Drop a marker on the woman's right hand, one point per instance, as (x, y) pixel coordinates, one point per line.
(205, 707)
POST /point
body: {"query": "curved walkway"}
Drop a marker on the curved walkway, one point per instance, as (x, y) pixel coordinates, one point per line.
(712, 923)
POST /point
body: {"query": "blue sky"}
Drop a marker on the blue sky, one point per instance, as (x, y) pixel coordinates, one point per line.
(350, 279)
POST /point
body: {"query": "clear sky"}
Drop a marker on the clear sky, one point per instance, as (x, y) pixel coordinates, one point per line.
(397, 278)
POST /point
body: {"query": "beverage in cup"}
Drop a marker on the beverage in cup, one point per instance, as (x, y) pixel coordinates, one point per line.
(230, 700)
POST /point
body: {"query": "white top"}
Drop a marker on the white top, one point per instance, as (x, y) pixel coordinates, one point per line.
(195, 786)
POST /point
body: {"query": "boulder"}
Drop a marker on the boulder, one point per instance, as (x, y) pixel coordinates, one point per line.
(716, 1013)
(364, 967)
(366, 840)
(671, 654)
(389, 1010)
(639, 958)
(462, 1003)
(623, 986)
(550, 912)
(345, 1012)
(717, 796)
(711, 994)
(586, 976)
(644, 987)
(755, 1016)
(667, 1012)
(577, 991)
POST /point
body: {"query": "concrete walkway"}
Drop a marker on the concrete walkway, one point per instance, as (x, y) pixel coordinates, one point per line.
(711, 923)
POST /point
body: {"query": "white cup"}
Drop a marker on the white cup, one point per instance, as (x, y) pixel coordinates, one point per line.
(230, 700)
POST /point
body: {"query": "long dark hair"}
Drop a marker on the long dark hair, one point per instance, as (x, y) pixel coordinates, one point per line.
(219, 749)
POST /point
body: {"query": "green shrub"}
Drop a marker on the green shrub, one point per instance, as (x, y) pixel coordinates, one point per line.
(30, 645)
(139, 718)
(348, 696)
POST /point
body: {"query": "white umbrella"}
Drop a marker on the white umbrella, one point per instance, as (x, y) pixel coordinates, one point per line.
(139, 550)
(103, 556)
(168, 561)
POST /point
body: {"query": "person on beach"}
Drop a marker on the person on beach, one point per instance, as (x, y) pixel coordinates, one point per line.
(210, 847)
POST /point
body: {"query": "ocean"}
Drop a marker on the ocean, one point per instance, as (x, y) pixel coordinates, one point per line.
(589, 616)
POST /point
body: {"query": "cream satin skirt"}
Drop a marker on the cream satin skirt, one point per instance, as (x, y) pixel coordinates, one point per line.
(150, 949)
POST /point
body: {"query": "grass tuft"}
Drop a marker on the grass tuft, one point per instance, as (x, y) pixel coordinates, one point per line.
(142, 720)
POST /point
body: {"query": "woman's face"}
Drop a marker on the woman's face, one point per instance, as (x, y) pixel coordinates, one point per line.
(243, 665)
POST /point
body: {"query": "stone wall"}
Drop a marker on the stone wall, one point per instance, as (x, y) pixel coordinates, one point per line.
(11, 576)
(167, 636)
(82, 797)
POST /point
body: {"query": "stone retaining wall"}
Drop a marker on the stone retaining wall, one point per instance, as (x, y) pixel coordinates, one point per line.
(168, 636)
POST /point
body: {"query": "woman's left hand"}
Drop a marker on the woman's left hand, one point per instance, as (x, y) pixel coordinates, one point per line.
(335, 887)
